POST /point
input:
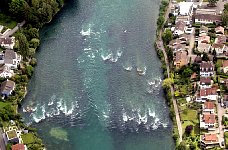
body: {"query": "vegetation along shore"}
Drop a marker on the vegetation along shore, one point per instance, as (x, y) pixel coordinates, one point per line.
(20, 21)
(192, 45)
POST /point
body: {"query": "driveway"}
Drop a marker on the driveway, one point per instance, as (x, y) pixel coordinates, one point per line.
(221, 112)
(2, 142)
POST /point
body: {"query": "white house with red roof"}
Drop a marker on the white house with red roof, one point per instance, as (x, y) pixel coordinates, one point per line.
(209, 140)
(207, 94)
(205, 82)
(207, 121)
(208, 107)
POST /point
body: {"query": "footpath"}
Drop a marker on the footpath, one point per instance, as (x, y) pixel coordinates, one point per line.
(160, 45)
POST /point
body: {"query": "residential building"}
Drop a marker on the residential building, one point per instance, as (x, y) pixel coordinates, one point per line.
(203, 30)
(219, 30)
(219, 48)
(207, 121)
(225, 100)
(208, 107)
(19, 147)
(184, 38)
(207, 94)
(204, 47)
(225, 66)
(207, 18)
(186, 8)
(179, 28)
(12, 59)
(206, 69)
(185, 19)
(178, 47)
(6, 72)
(205, 82)
(205, 11)
(181, 59)
(209, 140)
(204, 39)
(221, 39)
(7, 87)
(7, 42)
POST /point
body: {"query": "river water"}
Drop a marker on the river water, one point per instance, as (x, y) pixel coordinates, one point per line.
(86, 93)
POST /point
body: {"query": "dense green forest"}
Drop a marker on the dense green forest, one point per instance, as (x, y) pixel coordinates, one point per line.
(34, 12)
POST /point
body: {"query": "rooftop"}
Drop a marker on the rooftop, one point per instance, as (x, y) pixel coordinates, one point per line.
(209, 118)
(208, 105)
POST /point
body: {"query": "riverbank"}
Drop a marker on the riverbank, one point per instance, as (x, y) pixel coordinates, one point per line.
(24, 44)
(167, 83)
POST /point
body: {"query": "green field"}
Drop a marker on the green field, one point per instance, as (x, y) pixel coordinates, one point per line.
(28, 138)
(7, 21)
(189, 115)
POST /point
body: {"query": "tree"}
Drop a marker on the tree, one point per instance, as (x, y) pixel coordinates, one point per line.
(34, 43)
(167, 36)
(19, 9)
(167, 83)
(205, 57)
(212, 2)
(160, 21)
(188, 129)
(29, 70)
(225, 15)
(187, 72)
(23, 45)
(182, 146)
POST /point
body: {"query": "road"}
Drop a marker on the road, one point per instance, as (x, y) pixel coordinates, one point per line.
(11, 32)
(2, 142)
(161, 46)
(221, 112)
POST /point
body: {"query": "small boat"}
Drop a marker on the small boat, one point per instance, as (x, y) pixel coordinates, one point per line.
(128, 68)
(28, 109)
(141, 72)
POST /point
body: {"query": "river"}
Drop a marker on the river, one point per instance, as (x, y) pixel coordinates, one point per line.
(86, 93)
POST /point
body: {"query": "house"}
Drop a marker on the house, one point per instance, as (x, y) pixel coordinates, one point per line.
(19, 147)
(198, 60)
(203, 30)
(209, 140)
(205, 11)
(7, 87)
(12, 59)
(225, 100)
(179, 47)
(7, 42)
(207, 121)
(205, 82)
(5, 72)
(181, 59)
(208, 107)
(12, 136)
(185, 19)
(221, 39)
(175, 42)
(204, 47)
(225, 66)
(179, 28)
(186, 8)
(184, 38)
(219, 48)
(206, 69)
(207, 18)
(219, 30)
(1, 58)
(207, 94)
(204, 39)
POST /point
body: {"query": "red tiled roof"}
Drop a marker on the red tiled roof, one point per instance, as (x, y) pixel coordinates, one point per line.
(205, 80)
(209, 118)
(18, 147)
(225, 63)
(211, 137)
(209, 105)
(209, 91)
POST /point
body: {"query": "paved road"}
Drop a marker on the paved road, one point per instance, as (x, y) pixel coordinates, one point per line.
(221, 112)
(2, 142)
(161, 46)
(11, 32)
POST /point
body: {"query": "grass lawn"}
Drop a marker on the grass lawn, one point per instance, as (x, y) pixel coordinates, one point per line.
(11, 134)
(3, 104)
(7, 21)
(28, 138)
(189, 115)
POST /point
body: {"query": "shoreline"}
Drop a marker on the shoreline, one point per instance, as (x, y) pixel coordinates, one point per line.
(171, 102)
